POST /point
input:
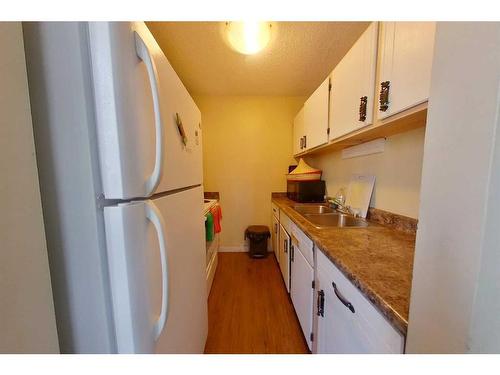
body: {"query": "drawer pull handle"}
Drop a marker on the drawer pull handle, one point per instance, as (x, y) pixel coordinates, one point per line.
(362, 108)
(342, 298)
(384, 96)
(320, 303)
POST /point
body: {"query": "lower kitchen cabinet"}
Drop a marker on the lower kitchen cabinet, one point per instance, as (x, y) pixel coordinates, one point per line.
(275, 236)
(301, 290)
(347, 321)
(284, 256)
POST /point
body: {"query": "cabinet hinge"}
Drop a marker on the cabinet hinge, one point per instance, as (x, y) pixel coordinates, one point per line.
(312, 336)
(313, 284)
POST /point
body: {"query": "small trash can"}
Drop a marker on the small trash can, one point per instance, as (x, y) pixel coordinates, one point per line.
(258, 235)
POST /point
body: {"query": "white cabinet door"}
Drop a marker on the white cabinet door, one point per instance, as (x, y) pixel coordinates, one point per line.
(298, 132)
(316, 116)
(139, 102)
(275, 236)
(349, 323)
(353, 86)
(338, 331)
(284, 245)
(301, 291)
(275, 210)
(407, 50)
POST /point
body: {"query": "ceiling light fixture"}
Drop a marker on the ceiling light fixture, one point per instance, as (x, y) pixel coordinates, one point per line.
(248, 37)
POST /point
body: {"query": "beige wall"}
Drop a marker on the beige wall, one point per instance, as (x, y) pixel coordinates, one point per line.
(398, 171)
(454, 306)
(27, 320)
(247, 147)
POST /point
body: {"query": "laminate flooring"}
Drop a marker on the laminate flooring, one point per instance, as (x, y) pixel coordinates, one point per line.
(249, 309)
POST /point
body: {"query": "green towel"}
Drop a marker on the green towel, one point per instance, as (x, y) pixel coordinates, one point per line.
(209, 227)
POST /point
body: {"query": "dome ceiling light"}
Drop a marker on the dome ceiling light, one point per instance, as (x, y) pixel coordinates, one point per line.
(247, 37)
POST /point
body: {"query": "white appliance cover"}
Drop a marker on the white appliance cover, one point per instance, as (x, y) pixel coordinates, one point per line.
(140, 103)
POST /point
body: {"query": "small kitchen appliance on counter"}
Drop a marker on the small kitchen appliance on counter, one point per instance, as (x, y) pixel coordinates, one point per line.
(306, 191)
(304, 184)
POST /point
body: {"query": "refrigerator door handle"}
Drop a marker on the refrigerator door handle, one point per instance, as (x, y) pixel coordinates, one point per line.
(144, 54)
(154, 215)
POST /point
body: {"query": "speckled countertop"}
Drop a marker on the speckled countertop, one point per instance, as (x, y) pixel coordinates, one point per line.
(378, 260)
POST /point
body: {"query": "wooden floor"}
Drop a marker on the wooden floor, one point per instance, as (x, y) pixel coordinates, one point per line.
(249, 310)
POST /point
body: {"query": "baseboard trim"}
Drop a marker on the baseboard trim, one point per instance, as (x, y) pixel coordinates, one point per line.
(233, 249)
(238, 249)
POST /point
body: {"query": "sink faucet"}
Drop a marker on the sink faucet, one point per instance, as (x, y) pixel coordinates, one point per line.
(340, 206)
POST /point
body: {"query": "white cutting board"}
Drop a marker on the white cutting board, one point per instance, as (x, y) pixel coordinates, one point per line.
(359, 193)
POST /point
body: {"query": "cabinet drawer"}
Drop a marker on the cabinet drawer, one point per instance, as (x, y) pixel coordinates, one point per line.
(286, 222)
(306, 246)
(342, 331)
(276, 210)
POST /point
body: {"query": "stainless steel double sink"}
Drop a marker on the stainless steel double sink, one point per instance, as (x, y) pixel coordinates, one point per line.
(322, 216)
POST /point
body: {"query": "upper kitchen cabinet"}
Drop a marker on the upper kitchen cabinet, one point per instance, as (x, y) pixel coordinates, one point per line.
(316, 117)
(298, 132)
(406, 53)
(353, 86)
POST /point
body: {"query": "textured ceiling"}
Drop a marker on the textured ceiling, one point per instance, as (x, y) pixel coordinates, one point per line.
(298, 58)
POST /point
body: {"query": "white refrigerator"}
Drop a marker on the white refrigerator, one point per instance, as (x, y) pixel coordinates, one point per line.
(118, 140)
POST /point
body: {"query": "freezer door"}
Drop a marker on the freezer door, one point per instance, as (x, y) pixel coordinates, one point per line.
(148, 126)
(156, 255)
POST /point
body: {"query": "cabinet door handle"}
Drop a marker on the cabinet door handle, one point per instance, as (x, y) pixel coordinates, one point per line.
(362, 108)
(285, 245)
(305, 141)
(301, 143)
(384, 96)
(292, 252)
(342, 298)
(320, 303)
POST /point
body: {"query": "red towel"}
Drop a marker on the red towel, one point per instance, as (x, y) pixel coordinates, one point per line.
(217, 214)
